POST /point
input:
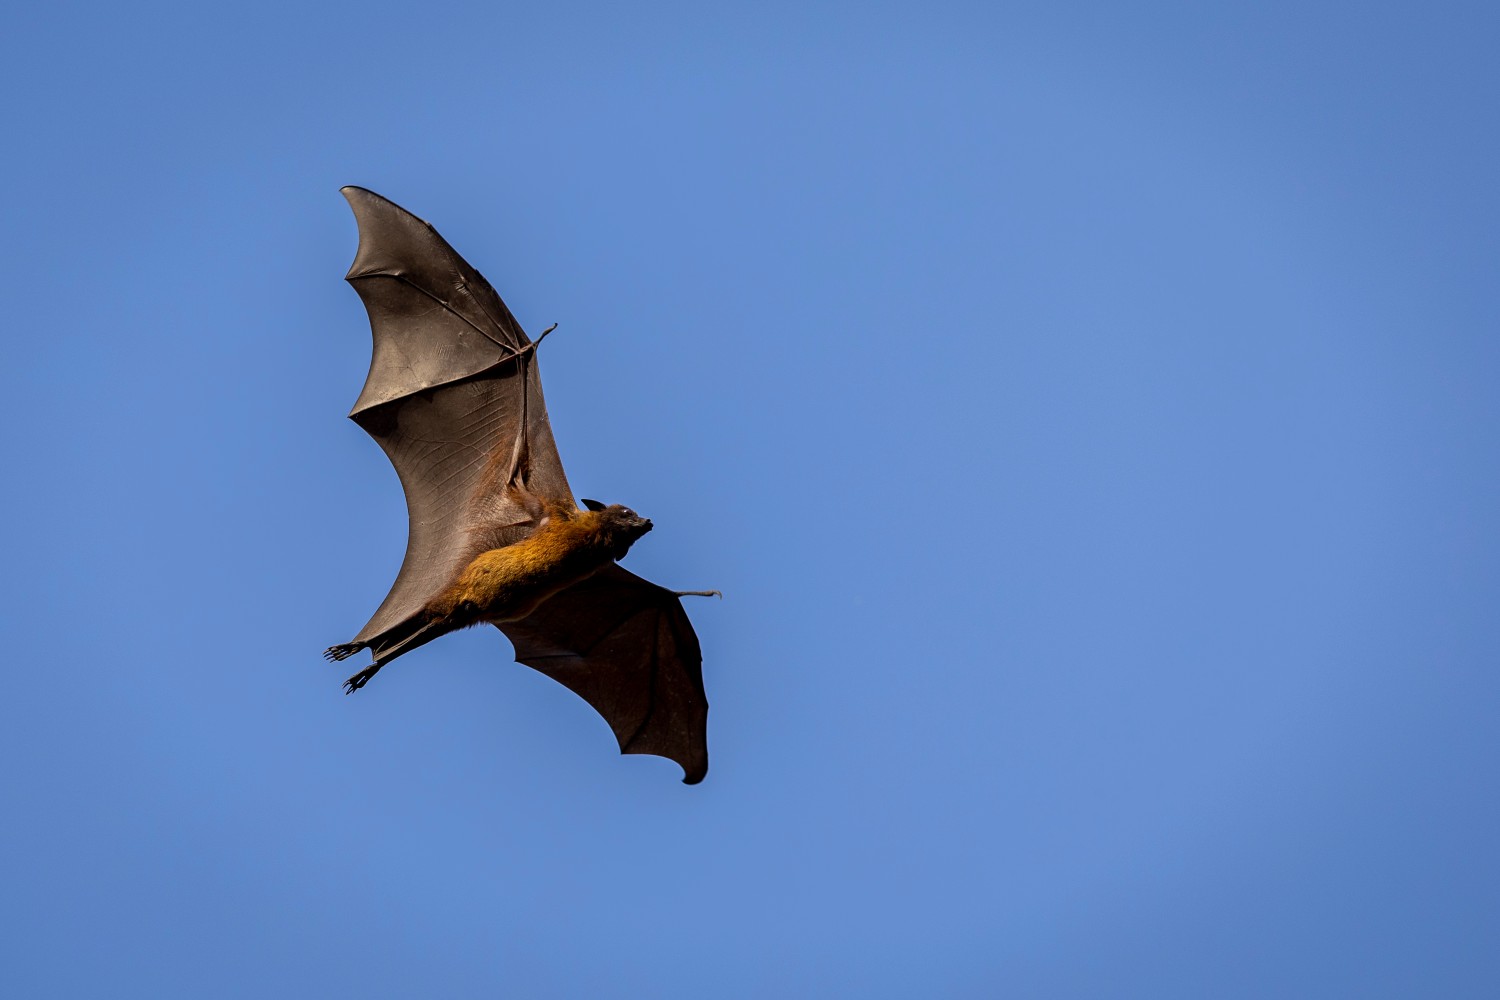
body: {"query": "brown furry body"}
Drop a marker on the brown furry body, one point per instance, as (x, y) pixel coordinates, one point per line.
(507, 584)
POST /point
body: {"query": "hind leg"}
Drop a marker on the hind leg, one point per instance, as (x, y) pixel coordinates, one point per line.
(362, 678)
(386, 650)
(342, 651)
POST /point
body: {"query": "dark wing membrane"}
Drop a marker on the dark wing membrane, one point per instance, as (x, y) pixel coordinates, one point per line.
(626, 647)
(435, 318)
(454, 399)
(451, 447)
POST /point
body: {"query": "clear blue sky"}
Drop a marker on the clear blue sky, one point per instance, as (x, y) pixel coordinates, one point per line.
(1089, 412)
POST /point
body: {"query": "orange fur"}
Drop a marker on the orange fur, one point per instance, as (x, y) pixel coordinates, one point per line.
(508, 584)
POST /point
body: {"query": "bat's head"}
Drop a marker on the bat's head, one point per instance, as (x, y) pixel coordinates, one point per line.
(618, 525)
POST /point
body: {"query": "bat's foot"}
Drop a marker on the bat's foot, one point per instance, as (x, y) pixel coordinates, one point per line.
(360, 679)
(342, 652)
(697, 593)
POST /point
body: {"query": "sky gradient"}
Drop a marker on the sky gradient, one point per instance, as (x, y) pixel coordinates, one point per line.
(1088, 411)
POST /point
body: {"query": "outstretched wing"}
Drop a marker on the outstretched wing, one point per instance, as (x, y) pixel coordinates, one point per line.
(626, 647)
(453, 397)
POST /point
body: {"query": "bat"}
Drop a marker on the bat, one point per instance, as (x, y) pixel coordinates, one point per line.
(454, 398)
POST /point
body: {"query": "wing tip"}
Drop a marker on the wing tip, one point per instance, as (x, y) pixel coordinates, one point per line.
(352, 191)
(379, 219)
(363, 200)
(693, 771)
(358, 196)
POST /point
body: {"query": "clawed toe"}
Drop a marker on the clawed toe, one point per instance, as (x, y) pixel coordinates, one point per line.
(342, 651)
(360, 679)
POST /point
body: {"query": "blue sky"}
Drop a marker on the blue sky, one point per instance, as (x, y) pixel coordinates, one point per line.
(1089, 412)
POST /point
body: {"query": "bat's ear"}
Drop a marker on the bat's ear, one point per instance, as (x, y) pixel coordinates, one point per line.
(593, 504)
